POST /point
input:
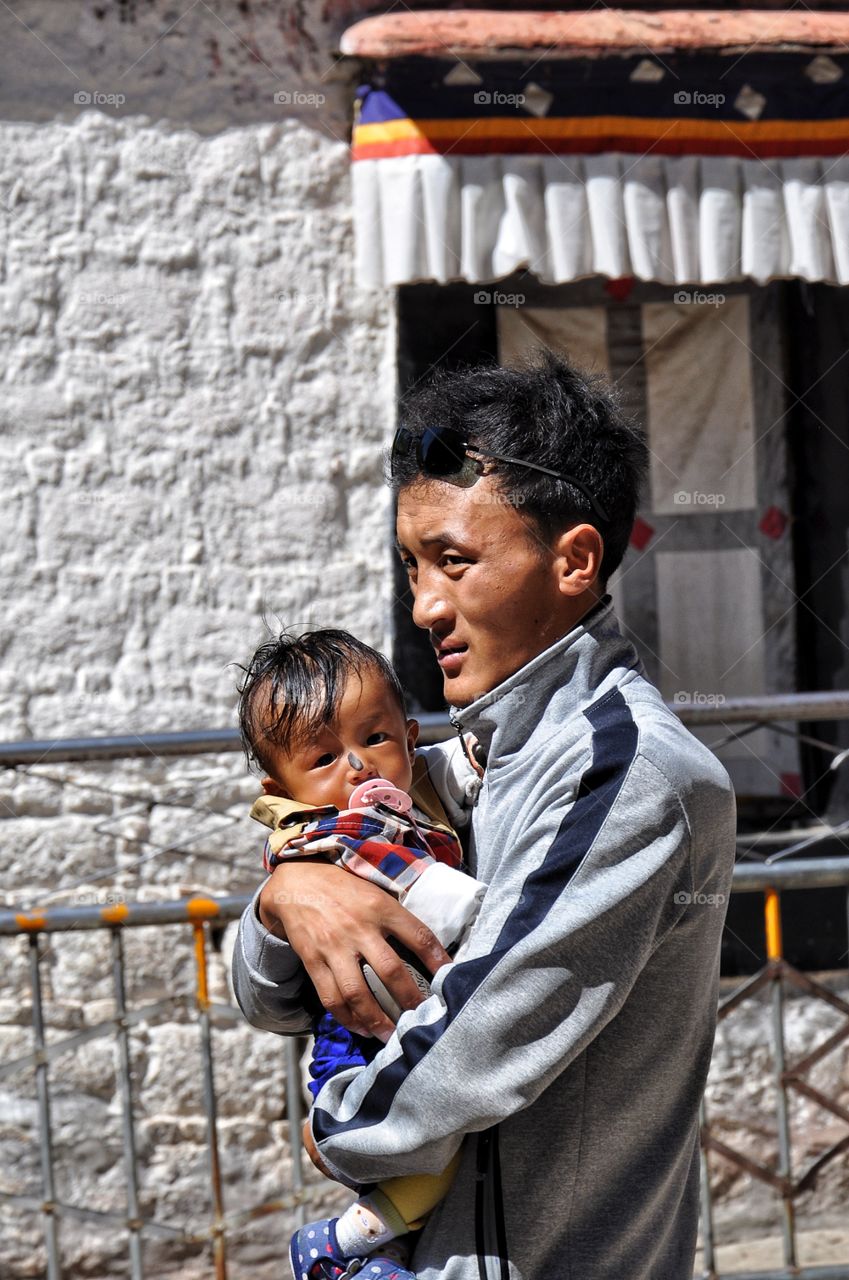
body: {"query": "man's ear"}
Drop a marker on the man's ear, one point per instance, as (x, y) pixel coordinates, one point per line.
(412, 737)
(272, 788)
(578, 553)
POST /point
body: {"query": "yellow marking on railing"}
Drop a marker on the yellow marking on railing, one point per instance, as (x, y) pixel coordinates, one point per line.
(772, 915)
(200, 965)
(115, 915)
(32, 921)
(202, 908)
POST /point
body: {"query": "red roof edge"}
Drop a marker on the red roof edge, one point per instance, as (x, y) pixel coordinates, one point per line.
(487, 33)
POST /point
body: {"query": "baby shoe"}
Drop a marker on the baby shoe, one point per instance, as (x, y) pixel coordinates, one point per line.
(315, 1255)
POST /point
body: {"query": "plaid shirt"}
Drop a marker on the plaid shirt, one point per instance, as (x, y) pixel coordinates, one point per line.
(376, 844)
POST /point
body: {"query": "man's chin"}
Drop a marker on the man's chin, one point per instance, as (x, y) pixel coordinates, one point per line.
(458, 693)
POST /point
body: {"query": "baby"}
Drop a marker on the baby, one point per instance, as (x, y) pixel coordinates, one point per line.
(323, 715)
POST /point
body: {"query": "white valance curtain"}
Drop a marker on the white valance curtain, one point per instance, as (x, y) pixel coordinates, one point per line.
(698, 220)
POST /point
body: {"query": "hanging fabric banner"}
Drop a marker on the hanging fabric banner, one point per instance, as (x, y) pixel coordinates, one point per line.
(686, 169)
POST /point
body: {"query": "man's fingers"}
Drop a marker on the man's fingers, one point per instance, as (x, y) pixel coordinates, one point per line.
(395, 975)
(409, 930)
(364, 1009)
(345, 994)
(312, 1151)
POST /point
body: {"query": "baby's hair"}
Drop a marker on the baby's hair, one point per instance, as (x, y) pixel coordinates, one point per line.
(293, 685)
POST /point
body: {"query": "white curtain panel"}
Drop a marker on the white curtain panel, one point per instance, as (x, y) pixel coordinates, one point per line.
(677, 220)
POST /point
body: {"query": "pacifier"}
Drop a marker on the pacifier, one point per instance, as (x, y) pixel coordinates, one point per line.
(379, 791)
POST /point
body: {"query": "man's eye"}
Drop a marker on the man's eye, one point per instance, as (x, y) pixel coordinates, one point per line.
(455, 560)
(374, 739)
(408, 564)
(324, 760)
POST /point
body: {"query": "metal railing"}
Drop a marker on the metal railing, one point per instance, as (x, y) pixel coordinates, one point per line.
(434, 727)
(820, 873)
(199, 913)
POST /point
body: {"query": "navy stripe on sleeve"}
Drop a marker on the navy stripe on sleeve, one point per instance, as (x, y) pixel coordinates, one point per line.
(614, 746)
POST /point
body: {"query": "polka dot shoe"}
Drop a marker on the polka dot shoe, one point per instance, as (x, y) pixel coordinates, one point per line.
(315, 1255)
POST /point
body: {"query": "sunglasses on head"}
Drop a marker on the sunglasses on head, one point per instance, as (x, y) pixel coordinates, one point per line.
(443, 453)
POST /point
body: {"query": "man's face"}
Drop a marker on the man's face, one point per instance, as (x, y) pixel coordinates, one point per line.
(369, 738)
(484, 585)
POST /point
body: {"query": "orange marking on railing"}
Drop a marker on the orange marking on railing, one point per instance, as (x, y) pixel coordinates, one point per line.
(772, 915)
(115, 915)
(202, 908)
(200, 964)
(32, 921)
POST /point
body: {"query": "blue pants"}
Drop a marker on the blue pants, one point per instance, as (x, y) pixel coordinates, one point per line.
(337, 1048)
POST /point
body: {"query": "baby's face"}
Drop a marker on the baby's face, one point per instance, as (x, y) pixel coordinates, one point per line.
(368, 739)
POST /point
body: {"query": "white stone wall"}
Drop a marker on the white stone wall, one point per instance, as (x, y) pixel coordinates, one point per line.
(193, 401)
(193, 408)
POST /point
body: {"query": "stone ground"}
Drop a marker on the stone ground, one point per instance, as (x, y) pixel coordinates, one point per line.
(822, 1247)
(827, 1246)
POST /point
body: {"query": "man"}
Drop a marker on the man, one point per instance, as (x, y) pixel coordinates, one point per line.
(566, 1053)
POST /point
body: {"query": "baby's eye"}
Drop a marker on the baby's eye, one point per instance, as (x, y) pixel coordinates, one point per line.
(323, 761)
(374, 739)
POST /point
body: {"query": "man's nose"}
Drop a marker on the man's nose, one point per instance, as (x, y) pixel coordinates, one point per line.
(429, 604)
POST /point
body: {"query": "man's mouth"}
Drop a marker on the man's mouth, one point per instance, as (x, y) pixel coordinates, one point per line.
(450, 656)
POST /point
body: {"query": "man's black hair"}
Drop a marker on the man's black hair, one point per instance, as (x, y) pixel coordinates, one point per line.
(293, 685)
(551, 413)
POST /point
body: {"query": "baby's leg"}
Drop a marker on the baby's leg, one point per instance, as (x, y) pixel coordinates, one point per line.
(395, 1207)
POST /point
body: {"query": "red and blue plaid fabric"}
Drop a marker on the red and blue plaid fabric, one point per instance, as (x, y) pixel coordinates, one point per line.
(376, 844)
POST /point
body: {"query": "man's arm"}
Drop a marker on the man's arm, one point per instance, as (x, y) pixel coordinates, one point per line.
(545, 972)
(268, 978)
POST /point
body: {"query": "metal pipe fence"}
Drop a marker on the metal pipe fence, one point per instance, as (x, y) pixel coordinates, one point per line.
(199, 914)
(434, 727)
(774, 977)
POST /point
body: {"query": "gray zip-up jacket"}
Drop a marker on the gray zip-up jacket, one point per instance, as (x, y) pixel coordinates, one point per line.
(568, 1049)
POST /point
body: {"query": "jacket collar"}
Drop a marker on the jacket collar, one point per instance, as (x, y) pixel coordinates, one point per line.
(573, 670)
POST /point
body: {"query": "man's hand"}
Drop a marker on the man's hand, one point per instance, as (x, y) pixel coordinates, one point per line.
(334, 920)
(312, 1151)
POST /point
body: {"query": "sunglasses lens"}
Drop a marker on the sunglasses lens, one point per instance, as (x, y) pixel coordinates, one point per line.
(401, 444)
(442, 452)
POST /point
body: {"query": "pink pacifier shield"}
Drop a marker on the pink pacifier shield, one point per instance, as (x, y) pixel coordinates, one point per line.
(379, 791)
